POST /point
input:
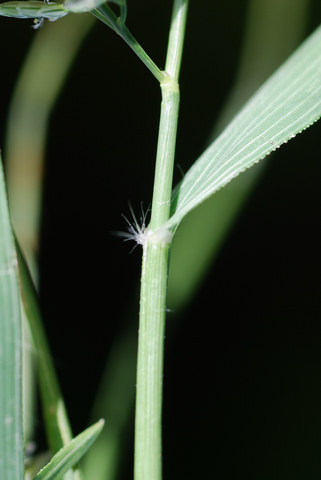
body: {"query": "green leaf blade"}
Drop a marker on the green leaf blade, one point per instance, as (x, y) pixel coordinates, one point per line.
(288, 103)
(11, 435)
(69, 455)
(33, 9)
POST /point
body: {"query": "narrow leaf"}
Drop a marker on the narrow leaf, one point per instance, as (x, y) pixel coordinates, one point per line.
(69, 455)
(33, 9)
(11, 437)
(289, 102)
(57, 423)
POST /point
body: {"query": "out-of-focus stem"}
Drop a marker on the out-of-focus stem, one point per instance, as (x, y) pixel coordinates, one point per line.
(39, 84)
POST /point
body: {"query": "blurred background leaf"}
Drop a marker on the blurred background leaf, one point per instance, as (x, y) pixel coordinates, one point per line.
(39, 83)
(273, 29)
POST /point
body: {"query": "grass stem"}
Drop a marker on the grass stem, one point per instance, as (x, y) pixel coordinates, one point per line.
(148, 438)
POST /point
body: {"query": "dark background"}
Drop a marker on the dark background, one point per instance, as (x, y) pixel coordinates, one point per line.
(242, 389)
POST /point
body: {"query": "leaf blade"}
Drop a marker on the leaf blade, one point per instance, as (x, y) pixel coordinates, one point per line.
(288, 103)
(11, 436)
(32, 9)
(69, 455)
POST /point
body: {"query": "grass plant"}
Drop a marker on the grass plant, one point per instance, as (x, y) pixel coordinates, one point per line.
(285, 105)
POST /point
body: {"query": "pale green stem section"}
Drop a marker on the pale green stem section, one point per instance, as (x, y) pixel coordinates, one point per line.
(165, 154)
(148, 438)
(148, 433)
(176, 38)
(168, 121)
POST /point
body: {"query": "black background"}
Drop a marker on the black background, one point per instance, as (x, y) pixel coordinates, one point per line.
(242, 389)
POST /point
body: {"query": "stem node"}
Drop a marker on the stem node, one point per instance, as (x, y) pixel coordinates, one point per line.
(157, 240)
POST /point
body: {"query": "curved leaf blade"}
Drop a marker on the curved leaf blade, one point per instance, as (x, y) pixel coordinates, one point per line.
(11, 436)
(288, 102)
(69, 455)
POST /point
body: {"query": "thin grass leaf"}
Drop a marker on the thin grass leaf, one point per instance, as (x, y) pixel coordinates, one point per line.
(70, 454)
(289, 102)
(57, 423)
(33, 9)
(11, 436)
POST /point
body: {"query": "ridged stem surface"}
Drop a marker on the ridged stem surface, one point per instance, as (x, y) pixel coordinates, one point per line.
(148, 435)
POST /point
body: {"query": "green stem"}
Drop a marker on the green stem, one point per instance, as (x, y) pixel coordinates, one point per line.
(148, 461)
(107, 16)
(165, 154)
(148, 438)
